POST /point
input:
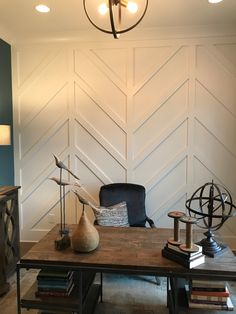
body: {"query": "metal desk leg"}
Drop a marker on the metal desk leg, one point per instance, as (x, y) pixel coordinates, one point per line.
(18, 288)
(80, 292)
(172, 295)
(101, 280)
(167, 291)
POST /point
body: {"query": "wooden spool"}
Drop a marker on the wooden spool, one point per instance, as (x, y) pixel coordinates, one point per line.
(189, 246)
(176, 215)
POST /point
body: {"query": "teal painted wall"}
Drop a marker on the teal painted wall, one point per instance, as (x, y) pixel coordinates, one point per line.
(6, 152)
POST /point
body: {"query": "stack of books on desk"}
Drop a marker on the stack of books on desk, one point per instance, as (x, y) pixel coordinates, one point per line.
(186, 259)
(54, 283)
(209, 295)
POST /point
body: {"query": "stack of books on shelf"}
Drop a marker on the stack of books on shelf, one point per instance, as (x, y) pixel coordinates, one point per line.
(209, 295)
(186, 259)
(54, 283)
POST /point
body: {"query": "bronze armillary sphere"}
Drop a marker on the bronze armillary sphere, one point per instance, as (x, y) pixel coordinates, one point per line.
(212, 205)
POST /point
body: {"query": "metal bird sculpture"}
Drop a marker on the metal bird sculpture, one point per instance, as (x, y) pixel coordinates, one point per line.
(81, 199)
(64, 241)
(86, 202)
(64, 183)
(61, 165)
(60, 182)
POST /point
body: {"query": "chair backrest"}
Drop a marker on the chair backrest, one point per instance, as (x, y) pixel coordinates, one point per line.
(133, 194)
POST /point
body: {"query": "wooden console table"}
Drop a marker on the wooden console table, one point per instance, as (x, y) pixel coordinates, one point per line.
(124, 250)
(9, 234)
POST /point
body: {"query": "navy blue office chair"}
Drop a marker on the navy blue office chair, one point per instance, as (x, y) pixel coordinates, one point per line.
(134, 195)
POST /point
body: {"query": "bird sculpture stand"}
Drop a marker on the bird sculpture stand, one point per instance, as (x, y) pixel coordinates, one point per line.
(63, 241)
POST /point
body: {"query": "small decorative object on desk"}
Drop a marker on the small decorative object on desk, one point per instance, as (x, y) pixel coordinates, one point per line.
(211, 205)
(85, 238)
(189, 246)
(187, 254)
(63, 240)
(176, 215)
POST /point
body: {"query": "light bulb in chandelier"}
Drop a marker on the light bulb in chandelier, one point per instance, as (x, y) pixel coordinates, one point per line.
(103, 8)
(132, 7)
(115, 16)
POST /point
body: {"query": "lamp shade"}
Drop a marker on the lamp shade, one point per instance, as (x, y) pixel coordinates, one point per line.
(5, 134)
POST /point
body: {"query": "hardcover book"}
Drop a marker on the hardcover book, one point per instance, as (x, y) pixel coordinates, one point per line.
(216, 305)
(226, 307)
(177, 249)
(199, 285)
(55, 288)
(50, 312)
(208, 298)
(189, 263)
(207, 283)
(55, 284)
(182, 254)
(211, 293)
(209, 302)
(54, 274)
(54, 279)
(54, 293)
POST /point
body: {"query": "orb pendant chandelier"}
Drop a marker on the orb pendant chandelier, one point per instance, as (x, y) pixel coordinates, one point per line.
(115, 16)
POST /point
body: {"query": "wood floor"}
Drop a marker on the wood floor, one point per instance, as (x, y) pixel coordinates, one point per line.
(122, 295)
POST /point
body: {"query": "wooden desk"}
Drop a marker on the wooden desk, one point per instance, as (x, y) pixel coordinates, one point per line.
(131, 251)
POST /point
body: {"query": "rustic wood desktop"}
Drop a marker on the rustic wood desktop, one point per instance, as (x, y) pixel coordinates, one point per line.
(121, 250)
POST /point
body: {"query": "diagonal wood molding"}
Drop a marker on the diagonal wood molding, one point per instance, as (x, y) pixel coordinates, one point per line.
(161, 114)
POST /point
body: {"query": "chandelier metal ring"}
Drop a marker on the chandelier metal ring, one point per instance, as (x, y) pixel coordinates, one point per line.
(114, 31)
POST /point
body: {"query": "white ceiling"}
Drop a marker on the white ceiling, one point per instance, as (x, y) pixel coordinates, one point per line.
(19, 18)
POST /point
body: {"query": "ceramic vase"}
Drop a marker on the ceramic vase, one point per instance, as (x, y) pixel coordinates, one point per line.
(85, 238)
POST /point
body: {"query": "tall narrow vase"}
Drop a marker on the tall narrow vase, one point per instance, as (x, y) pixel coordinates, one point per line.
(85, 238)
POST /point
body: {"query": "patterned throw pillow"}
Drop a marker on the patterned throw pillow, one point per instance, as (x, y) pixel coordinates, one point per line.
(115, 215)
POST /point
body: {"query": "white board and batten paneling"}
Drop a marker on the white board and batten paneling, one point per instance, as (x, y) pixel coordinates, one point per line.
(161, 113)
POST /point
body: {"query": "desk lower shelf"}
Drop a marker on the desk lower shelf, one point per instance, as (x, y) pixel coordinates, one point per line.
(91, 293)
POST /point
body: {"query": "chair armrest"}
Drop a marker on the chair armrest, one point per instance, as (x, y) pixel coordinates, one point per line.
(151, 222)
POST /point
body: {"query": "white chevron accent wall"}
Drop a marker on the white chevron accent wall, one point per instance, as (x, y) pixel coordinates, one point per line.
(158, 113)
